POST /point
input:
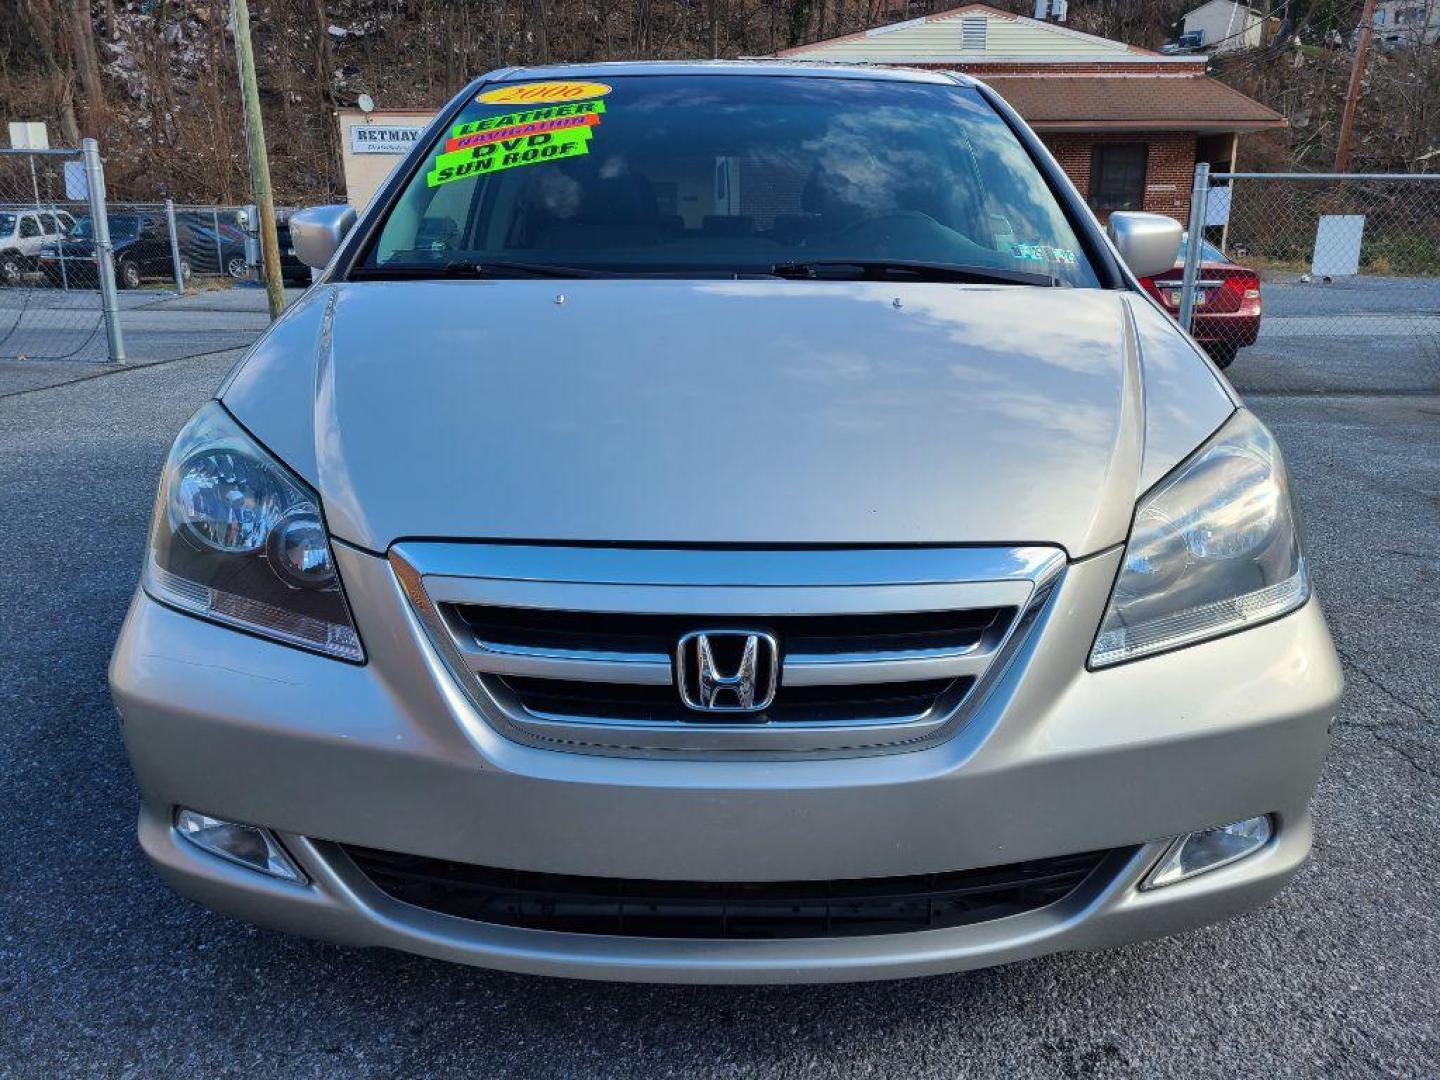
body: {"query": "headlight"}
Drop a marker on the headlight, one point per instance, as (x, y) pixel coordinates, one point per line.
(1213, 549)
(238, 538)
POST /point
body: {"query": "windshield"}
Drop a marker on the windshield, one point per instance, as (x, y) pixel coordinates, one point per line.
(1208, 251)
(121, 225)
(727, 175)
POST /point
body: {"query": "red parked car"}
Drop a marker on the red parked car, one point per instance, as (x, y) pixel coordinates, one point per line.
(1227, 302)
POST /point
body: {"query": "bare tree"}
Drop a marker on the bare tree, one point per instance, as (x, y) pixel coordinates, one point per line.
(39, 18)
(87, 62)
(324, 65)
(640, 28)
(221, 130)
(538, 35)
(605, 29)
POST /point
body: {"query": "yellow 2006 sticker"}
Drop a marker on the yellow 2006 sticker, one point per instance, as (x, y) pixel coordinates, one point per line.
(543, 93)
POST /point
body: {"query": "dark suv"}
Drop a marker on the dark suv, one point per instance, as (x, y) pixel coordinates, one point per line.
(141, 246)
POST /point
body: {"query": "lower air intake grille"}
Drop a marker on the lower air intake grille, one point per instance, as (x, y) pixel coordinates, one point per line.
(713, 910)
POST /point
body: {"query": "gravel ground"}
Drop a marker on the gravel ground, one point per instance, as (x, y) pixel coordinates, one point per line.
(105, 972)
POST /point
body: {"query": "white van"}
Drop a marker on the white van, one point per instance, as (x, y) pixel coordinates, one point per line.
(22, 233)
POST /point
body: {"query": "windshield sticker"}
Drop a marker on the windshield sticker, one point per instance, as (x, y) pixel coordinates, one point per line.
(523, 137)
(524, 122)
(514, 131)
(543, 93)
(508, 154)
(1043, 253)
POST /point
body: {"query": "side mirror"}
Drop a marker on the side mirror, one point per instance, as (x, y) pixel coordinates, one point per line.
(1149, 243)
(316, 233)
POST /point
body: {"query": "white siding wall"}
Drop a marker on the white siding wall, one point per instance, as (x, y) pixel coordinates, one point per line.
(946, 38)
(1221, 19)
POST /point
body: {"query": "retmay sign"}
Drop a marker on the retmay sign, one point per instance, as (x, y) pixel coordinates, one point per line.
(382, 138)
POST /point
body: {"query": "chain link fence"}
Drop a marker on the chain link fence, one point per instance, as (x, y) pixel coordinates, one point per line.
(51, 308)
(1314, 282)
(215, 244)
(193, 246)
(74, 267)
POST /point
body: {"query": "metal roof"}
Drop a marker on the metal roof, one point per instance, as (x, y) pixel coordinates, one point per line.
(974, 33)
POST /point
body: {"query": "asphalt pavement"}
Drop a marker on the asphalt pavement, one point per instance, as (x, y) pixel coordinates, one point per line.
(50, 336)
(105, 972)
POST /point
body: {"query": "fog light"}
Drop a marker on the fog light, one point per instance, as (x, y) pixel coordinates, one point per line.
(247, 845)
(1210, 849)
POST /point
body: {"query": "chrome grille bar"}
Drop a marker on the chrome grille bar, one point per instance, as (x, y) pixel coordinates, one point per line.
(883, 667)
(656, 669)
(596, 616)
(485, 657)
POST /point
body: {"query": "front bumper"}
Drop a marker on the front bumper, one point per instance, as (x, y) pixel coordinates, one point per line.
(390, 756)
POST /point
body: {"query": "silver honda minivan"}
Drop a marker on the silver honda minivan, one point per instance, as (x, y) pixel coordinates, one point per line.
(730, 522)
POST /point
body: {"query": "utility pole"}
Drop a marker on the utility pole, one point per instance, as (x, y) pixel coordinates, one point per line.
(1352, 97)
(259, 163)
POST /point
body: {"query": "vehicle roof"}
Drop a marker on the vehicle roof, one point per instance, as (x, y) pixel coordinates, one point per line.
(790, 68)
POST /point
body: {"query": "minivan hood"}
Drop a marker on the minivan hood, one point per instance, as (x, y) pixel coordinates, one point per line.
(734, 412)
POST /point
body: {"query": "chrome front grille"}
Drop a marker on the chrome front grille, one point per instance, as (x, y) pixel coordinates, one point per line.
(576, 648)
(817, 650)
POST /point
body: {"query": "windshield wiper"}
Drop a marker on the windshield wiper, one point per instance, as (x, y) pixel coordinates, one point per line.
(473, 269)
(892, 269)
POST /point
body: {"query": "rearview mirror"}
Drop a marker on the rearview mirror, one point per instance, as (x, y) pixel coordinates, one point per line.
(316, 233)
(1149, 243)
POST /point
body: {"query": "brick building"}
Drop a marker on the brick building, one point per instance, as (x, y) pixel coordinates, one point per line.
(1127, 124)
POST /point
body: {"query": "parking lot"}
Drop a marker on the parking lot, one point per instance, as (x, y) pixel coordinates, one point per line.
(39, 324)
(104, 971)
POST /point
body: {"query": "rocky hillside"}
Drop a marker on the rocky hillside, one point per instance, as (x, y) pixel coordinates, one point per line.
(155, 80)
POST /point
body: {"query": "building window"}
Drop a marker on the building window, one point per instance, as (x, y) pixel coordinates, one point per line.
(1117, 176)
